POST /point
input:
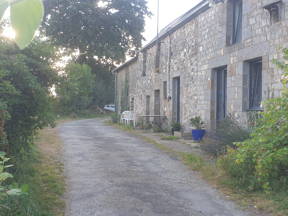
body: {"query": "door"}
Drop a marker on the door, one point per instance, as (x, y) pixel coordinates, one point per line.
(221, 93)
(157, 105)
(176, 100)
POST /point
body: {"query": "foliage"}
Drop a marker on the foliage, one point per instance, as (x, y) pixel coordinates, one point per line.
(261, 162)
(6, 190)
(176, 126)
(228, 132)
(25, 79)
(102, 32)
(197, 123)
(26, 16)
(106, 29)
(75, 91)
(40, 185)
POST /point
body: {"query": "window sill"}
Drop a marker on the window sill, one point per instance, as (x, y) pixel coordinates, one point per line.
(259, 109)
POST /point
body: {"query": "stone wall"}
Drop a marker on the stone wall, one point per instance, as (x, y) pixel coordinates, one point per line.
(195, 49)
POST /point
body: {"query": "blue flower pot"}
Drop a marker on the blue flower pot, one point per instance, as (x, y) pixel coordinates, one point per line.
(198, 135)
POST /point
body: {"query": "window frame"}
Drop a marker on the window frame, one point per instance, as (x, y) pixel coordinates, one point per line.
(234, 23)
(258, 86)
(269, 8)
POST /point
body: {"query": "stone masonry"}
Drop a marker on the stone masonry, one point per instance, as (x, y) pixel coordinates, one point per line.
(195, 45)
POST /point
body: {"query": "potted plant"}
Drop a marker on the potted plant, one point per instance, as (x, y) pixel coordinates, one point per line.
(198, 131)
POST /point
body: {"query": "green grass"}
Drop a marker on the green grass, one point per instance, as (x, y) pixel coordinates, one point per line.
(170, 138)
(40, 172)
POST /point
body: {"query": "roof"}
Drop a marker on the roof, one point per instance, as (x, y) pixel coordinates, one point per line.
(179, 22)
(172, 27)
(130, 61)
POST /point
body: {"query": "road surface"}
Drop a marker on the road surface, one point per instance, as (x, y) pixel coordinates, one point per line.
(113, 173)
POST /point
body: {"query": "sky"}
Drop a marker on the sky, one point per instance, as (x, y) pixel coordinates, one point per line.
(169, 11)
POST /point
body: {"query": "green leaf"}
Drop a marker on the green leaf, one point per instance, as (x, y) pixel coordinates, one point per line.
(25, 188)
(2, 154)
(26, 17)
(4, 176)
(3, 6)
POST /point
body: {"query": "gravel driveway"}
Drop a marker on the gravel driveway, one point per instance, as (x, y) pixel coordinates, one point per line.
(113, 173)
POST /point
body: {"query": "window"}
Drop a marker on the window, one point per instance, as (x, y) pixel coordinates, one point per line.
(234, 21)
(165, 95)
(274, 10)
(144, 63)
(221, 92)
(255, 84)
(157, 57)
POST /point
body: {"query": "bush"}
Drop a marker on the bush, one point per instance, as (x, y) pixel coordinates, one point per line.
(264, 157)
(176, 126)
(227, 133)
(115, 118)
(261, 162)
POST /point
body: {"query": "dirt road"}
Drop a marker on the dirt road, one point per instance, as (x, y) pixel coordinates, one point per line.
(113, 173)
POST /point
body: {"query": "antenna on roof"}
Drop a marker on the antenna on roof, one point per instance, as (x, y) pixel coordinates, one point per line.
(158, 12)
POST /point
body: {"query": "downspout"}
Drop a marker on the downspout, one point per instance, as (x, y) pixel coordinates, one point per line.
(169, 69)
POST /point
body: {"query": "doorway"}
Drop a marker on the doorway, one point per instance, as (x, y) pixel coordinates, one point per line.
(176, 100)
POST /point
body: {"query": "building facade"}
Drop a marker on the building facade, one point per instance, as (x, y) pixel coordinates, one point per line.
(215, 60)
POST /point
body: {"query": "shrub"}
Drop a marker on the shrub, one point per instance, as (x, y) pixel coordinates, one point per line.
(261, 162)
(176, 126)
(227, 133)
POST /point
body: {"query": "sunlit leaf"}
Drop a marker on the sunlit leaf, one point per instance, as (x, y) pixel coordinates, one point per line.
(4, 176)
(26, 17)
(14, 192)
(8, 166)
(3, 6)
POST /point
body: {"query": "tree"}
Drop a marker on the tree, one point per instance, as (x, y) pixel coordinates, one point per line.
(107, 29)
(103, 31)
(25, 81)
(76, 89)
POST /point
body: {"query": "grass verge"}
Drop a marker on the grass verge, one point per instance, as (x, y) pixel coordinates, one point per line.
(50, 171)
(39, 173)
(170, 138)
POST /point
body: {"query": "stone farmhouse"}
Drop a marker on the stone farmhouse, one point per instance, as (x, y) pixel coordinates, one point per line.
(213, 61)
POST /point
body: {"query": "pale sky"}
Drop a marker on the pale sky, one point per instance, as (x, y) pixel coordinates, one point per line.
(169, 10)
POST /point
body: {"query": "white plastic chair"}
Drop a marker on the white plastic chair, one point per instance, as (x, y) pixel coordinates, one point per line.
(127, 117)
